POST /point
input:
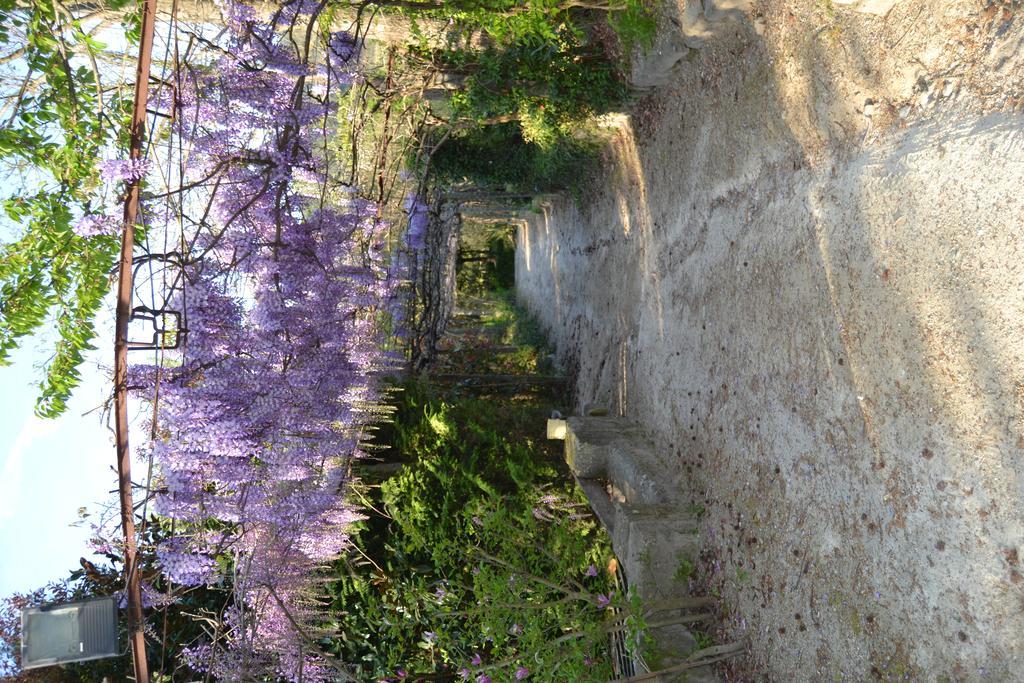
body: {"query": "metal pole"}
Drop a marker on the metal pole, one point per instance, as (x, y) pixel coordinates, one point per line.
(124, 309)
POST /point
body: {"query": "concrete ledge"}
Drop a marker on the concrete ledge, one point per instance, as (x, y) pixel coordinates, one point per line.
(653, 542)
(587, 443)
(634, 470)
(557, 429)
(657, 543)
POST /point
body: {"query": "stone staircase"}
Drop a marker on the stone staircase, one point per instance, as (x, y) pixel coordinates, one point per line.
(655, 540)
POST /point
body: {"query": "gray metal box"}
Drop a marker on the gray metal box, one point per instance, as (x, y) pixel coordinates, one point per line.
(69, 632)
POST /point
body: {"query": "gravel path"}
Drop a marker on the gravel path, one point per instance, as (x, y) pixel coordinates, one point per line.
(825, 333)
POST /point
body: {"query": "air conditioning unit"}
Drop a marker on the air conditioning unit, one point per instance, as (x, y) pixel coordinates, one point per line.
(69, 632)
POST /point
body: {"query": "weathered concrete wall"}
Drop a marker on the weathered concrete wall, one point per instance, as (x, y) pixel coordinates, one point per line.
(835, 358)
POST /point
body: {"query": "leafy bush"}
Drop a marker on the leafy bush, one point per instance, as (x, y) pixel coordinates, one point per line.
(461, 452)
(550, 89)
(484, 552)
(538, 600)
(635, 25)
(498, 156)
(544, 68)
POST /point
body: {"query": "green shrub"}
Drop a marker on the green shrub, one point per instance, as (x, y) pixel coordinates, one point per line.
(544, 69)
(482, 547)
(499, 157)
(635, 25)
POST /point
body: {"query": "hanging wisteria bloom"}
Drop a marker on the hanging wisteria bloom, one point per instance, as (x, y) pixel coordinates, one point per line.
(343, 47)
(95, 225)
(182, 566)
(124, 170)
(261, 416)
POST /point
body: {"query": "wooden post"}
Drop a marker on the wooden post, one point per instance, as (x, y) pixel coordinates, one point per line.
(136, 635)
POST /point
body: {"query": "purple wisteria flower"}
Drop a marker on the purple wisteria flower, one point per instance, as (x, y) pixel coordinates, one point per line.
(151, 597)
(343, 46)
(543, 515)
(258, 426)
(184, 566)
(603, 601)
(465, 674)
(94, 225)
(522, 673)
(124, 170)
(592, 570)
(100, 546)
(477, 660)
(430, 636)
(483, 678)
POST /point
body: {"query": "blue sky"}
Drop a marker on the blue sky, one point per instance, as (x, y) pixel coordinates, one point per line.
(51, 468)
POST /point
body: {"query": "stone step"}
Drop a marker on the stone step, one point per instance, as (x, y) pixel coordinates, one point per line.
(615, 449)
(655, 540)
(588, 441)
(633, 469)
(656, 544)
